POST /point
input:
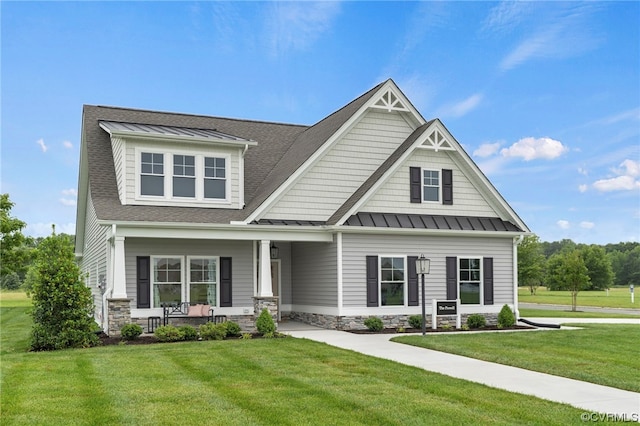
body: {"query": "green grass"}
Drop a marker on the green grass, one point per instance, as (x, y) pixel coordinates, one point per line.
(551, 313)
(619, 297)
(14, 299)
(241, 382)
(605, 354)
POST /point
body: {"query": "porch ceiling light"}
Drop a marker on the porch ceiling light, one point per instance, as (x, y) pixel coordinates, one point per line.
(275, 251)
(423, 265)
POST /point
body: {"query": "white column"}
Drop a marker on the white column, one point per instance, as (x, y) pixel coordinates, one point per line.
(119, 275)
(264, 276)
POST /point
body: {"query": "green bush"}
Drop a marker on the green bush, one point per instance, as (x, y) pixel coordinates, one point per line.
(415, 321)
(476, 321)
(168, 333)
(246, 336)
(506, 318)
(233, 329)
(62, 304)
(265, 323)
(373, 324)
(130, 331)
(211, 331)
(188, 332)
(10, 281)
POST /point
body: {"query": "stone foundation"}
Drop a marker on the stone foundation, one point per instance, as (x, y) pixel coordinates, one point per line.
(119, 315)
(268, 303)
(334, 322)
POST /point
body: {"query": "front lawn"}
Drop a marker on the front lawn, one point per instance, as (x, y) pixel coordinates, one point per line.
(605, 354)
(554, 313)
(241, 382)
(619, 297)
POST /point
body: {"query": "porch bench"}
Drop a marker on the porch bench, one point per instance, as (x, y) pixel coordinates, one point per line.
(186, 310)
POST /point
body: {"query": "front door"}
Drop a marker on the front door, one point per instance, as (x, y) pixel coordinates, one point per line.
(275, 281)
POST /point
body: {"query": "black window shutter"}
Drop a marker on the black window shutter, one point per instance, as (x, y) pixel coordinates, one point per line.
(447, 186)
(487, 269)
(452, 278)
(372, 280)
(412, 277)
(415, 184)
(143, 282)
(225, 282)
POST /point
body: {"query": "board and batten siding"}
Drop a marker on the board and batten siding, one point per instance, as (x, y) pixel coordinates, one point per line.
(117, 146)
(394, 197)
(329, 182)
(355, 248)
(233, 171)
(94, 253)
(313, 274)
(239, 251)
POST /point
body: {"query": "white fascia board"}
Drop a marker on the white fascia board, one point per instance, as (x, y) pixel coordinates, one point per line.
(430, 232)
(316, 156)
(221, 231)
(83, 197)
(156, 137)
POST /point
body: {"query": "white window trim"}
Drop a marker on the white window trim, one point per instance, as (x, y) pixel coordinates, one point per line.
(481, 259)
(168, 177)
(422, 185)
(188, 277)
(153, 276)
(405, 285)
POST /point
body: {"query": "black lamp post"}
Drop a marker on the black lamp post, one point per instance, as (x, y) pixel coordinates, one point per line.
(422, 268)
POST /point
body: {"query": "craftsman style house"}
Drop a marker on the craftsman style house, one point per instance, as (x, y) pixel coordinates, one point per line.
(320, 223)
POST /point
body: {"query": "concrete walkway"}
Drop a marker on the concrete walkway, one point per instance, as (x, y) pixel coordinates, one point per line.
(588, 396)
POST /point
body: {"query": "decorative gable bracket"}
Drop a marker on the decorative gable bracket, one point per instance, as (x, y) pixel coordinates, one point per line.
(437, 141)
(390, 102)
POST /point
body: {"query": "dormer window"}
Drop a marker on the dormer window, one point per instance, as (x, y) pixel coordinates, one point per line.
(215, 178)
(152, 174)
(184, 176)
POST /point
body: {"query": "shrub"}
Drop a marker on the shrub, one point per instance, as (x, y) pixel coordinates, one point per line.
(506, 318)
(62, 304)
(373, 324)
(168, 333)
(233, 329)
(265, 323)
(188, 332)
(130, 331)
(415, 321)
(211, 331)
(476, 321)
(246, 336)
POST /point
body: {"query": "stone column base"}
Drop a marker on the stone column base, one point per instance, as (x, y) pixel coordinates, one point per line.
(119, 314)
(268, 303)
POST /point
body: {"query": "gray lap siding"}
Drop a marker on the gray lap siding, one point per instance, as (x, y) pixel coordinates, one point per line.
(355, 248)
(314, 274)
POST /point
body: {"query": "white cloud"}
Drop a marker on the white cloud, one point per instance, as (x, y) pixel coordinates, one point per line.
(506, 16)
(583, 188)
(44, 229)
(67, 144)
(587, 225)
(297, 25)
(70, 191)
(463, 107)
(487, 150)
(42, 145)
(67, 202)
(628, 171)
(535, 148)
(563, 224)
(583, 171)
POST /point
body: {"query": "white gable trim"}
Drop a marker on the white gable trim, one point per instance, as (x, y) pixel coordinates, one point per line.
(389, 87)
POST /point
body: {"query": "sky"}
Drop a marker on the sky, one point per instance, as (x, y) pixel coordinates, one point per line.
(544, 96)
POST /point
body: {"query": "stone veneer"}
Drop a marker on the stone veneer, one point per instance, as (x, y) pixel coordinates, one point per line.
(389, 321)
(119, 315)
(268, 303)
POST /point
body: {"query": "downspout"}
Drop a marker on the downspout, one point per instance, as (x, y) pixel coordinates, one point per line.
(516, 243)
(109, 291)
(241, 175)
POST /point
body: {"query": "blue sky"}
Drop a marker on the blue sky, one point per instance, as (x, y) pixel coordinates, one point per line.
(545, 96)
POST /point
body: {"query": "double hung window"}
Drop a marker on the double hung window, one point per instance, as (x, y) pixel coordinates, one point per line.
(392, 281)
(215, 178)
(152, 174)
(431, 185)
(470, 278)
(173, 284)
(184, 176)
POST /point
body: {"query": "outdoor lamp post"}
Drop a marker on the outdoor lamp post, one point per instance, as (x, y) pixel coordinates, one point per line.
(422, 268)
(274, 251)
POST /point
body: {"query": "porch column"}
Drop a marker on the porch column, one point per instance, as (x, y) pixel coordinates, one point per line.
(264, 276)
(119, 275)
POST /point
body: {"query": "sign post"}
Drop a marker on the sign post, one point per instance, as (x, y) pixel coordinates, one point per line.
(631, 291)
(445, 308)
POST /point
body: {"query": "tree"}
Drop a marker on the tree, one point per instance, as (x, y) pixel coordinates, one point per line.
(531, 263)
(15, 252)
(62, 304)
(629, 264)
(599, 266)
(567, 271)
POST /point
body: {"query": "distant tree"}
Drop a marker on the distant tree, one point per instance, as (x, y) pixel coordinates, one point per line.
(62, 304)
(531, 263)
(567, 271)
(554, 247)
(15, 251)
(628, 267)
(599, 266)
